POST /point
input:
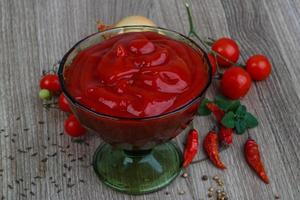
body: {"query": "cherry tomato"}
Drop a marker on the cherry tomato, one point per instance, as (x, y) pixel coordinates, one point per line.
(213, 63)
(227, 48)
(259, 67)
(63, 103)
(73, 127)
(51, 83)
(235, 83)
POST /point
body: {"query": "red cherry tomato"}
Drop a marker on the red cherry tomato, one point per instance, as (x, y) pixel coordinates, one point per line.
(51, 83)
(63, 103)
(213, 63)
(227, 48)
(235, 83)
(259, 67)
(73, 127)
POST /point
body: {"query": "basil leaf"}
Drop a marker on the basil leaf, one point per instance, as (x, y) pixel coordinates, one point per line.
(222, 102)
(228, 120)
(240, 127)
(234, 106)
(250, 120)
(203, 110)
(241, 111)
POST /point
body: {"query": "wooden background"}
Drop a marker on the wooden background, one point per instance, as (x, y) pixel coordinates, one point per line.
(34, 34)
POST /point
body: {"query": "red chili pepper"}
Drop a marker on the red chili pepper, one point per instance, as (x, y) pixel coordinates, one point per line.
(212, 150)
(218, 113)
(191, 147)
(226, 135)
(252, 156)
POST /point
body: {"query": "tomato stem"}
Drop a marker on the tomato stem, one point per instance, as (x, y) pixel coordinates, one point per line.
(205, 43)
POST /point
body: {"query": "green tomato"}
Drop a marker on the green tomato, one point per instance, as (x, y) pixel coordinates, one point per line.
(45, 94)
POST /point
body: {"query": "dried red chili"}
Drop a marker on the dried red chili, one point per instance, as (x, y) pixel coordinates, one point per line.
(212, 150)
(218, 113)
(252, 156)
(191, 147)
(225, 135)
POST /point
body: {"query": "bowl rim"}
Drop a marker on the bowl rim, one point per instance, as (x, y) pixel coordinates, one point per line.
(172, 112)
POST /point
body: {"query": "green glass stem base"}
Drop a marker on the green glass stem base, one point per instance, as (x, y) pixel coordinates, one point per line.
(138, 172)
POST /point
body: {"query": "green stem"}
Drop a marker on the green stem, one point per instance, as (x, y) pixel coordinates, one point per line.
(191, 24)
(192, 32)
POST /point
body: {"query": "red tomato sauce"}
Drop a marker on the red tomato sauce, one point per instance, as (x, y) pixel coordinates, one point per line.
(136, 75)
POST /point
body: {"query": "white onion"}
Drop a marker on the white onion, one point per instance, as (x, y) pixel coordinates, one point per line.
(135, 20)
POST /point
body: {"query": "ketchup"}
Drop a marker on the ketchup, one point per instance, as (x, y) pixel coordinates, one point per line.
(136, 74)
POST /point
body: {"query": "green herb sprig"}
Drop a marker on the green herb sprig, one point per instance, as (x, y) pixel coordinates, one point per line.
(236, 115)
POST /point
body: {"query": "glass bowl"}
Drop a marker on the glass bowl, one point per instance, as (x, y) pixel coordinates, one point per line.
(137, 156)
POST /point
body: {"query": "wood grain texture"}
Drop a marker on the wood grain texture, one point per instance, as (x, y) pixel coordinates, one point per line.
(34, 34)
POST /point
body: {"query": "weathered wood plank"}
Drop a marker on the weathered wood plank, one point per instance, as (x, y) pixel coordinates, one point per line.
(34, 34)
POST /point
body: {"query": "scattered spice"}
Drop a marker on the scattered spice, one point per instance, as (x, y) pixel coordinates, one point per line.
(70, 185)
(185, 175)
(77, 140)
(10, 157)
(209, 195)
(216, 177)
(204, 178)
(52, 155)
(80, 158)
(34, 154)
(21, 151)
(23, 195)
(181, 192)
